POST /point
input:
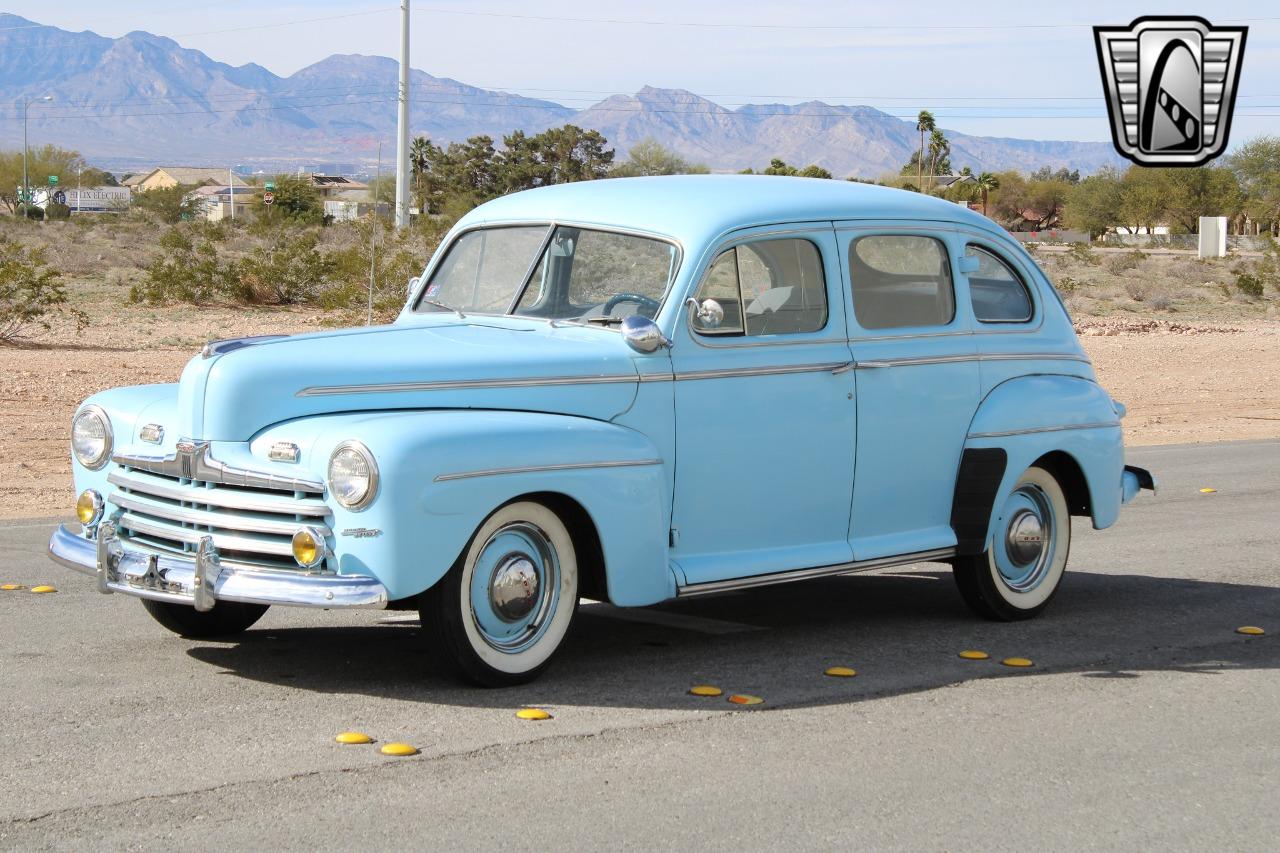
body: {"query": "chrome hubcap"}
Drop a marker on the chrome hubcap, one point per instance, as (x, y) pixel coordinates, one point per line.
(513, 590)
(515, 587)
(1025, 537)
(1024, 554)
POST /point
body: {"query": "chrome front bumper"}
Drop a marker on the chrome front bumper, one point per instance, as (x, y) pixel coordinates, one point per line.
(203, 581)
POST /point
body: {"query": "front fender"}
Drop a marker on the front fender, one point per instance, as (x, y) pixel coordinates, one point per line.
(1030, 417)
(443, 472)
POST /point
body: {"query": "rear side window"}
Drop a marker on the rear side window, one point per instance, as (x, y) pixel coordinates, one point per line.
(773, 287)
(901, 281)
(998, 294)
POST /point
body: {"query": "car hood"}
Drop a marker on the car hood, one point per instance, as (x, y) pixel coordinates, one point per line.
(531, 366)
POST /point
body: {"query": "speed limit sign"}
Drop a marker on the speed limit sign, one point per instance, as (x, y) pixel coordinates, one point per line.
(268, 197)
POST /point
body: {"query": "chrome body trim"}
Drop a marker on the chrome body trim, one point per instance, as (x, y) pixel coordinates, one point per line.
(537, 469)
(191, 461)
(712, 587)
(174, 579)
(151, 434)
(463, 385)
(734, 372)
(956, 359)
(140, 481)
(229, 541)
(1034, 430)
(189, 515)
(226, 345)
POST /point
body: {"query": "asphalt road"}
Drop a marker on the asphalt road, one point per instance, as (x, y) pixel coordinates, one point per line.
(1146, 722)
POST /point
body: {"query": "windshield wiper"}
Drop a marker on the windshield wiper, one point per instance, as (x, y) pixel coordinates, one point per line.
(448, 308)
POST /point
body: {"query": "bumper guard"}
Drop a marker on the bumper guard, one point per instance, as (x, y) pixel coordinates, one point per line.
(203, 581)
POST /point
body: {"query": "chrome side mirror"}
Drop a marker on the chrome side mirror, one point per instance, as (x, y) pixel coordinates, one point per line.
(709, 315)
(643, 335)
(413, 285)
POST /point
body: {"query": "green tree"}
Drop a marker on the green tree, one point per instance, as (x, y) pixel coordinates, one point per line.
(777, 166)
(1205, 191)
(649, 157)
(926, 124)
(1143, 198)
(1094, 203)
(297, 201)
(167, 204)
(42, 162)
(1256, 165)
(30, 291)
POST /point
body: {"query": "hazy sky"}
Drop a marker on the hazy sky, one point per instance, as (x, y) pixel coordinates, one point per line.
(974, 64)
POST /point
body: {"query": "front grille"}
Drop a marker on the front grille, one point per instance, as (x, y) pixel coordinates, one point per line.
(250, 526)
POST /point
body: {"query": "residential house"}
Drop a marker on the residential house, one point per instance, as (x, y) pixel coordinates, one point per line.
(331, 186)
(215, 203)
(189, 176)
(350, 205)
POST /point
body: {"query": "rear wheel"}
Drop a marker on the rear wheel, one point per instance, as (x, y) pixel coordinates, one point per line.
(1025, 558)
(502, 611)
(226, 617)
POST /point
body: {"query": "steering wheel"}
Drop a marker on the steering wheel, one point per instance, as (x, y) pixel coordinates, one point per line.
(640, 299)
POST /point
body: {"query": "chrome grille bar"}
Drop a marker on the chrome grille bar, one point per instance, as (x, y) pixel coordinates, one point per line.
(136, 481)
(230, 542)
(189, 515)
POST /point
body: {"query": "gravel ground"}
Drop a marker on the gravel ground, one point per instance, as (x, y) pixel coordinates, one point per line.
(1182, 381)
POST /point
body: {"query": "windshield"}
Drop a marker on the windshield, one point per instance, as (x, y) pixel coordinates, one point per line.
(580, 274)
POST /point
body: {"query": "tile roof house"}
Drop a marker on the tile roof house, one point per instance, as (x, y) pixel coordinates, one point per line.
(191, 176)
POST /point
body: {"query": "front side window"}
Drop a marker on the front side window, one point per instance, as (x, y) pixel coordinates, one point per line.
(581, 274)
(775, 287)
(997, 293)
(901, 281)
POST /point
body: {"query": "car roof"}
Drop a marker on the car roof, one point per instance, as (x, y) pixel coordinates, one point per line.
(694, 207)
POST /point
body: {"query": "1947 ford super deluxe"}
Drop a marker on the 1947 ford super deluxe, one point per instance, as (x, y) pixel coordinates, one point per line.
(630, 390)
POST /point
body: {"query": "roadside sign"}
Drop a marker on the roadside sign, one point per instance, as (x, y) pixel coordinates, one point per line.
(268, 197)
(53, 180)
(270, 185)
(59, 197)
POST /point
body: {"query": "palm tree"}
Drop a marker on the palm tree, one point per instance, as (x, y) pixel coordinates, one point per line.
(986, 183)
(939, 149)
(419, 162)
(925, 124)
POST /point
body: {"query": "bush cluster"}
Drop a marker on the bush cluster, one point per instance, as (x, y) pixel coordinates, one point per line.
(30, 292)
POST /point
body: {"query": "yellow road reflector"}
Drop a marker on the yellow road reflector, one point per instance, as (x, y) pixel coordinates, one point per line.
(1252, 630)
(353, 737)
(44, 588)
(705, 690)
(533, 714)
(840, 672)
(398, 749)
(744, 699)
(10, 587)
(974, 654)
(1017, 662)
(1207, 491)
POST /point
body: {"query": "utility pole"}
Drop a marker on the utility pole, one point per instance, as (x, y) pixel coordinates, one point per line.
(374, 225)
(26, 185)
(231, 188)
(402, 123)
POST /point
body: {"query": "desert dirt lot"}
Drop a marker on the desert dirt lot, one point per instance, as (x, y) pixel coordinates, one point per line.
(1182, 381)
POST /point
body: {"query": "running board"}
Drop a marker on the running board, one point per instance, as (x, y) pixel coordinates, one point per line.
(710, 587)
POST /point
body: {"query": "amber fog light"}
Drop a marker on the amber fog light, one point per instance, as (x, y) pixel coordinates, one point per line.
(89, 507)
(308, 547)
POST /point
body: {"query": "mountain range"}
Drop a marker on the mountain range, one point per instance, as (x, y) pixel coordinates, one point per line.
(142, 99)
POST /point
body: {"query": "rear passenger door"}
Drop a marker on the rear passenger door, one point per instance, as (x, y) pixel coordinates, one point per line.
(917, 387)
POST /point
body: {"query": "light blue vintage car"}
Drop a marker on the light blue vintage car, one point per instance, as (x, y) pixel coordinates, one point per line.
(630, 390)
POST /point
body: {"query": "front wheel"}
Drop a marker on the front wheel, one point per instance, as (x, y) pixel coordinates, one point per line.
(226, 618)
(501, 612)
(1022, 566)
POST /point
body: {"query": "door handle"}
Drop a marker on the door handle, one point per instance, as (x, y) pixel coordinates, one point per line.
(844, 368)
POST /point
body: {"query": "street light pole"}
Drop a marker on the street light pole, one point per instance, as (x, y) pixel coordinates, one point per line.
(402, 123)
(26, 184)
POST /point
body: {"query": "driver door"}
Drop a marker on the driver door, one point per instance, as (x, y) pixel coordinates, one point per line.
(765, 411)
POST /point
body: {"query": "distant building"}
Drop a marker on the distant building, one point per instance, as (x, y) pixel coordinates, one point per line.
(350, 205)
(214, 202)
(189, 176)
(331, 186)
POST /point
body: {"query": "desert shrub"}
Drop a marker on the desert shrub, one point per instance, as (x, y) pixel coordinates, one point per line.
(1249, 284)
(289, 270)
(1124, 261)
(57, 211)
(184, 271)
(1137, 288)
(1083, 253)
(30, 291)
(1160, 301)
(35, 213)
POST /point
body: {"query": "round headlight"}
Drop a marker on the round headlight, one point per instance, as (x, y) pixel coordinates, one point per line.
(353, 475)
(91, 437)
